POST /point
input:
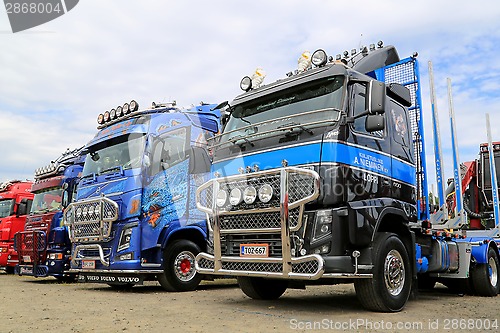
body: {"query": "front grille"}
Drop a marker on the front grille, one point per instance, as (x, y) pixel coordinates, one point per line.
(91, 220)
(206, 264)
(306, 267)
(246, 266)
(264, 220)
(31, 246)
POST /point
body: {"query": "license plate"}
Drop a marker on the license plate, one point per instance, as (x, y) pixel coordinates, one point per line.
(26, 258)
(26, 270)
(88, 264)
(254, 250)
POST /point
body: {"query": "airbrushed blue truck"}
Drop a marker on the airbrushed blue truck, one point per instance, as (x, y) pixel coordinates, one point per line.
(135, 216)
(321, 178)
(44, 247)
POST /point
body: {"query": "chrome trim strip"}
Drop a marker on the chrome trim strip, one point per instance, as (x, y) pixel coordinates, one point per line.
(116, 271)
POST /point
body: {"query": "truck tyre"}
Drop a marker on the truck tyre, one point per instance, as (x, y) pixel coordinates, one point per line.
(390, 287)
(9, 270)
(179, 273)
(260, 288)
(485, 276)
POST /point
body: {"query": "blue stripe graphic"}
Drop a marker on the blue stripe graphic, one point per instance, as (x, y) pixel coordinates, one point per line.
(333, 152)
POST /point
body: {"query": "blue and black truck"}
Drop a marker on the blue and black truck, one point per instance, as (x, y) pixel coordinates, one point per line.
(44, 247)
(320, 178)
(135, 215)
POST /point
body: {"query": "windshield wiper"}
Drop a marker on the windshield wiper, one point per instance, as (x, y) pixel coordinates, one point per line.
(110, 169)
(292, 126)
(235, 140)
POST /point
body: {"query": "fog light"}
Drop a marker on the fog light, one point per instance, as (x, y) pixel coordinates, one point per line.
(322, 249)
(265, 193)
(235, 196)
(246, 83)
(134, 106)
(126, 256)
(319, 58)
(249, 194)
(220, 201)
(100, 119)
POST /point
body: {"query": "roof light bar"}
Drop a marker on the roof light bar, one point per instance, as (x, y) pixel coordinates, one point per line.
(117, 113)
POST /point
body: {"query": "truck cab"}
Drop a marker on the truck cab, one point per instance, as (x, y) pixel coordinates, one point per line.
(135, 217)
(44, 247)
(15, 203)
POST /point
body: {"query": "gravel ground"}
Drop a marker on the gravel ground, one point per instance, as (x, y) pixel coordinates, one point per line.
(45, 305)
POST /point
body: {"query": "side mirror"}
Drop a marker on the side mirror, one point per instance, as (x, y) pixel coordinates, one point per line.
(65, 198)
(24, 207)
(199, 162)
(376, 97)
(374, 123)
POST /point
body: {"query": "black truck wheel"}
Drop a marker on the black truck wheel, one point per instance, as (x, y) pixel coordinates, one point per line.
(390, 287)
(485, 276)
(179, 273)
(260, 288)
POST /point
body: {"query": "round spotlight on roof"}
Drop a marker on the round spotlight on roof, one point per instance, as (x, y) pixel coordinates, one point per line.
(126, 108)
(134, 106)
(112, 114)
(319, 58)
(119, 111)
(246, 83)
(100, 119)
(107, 116)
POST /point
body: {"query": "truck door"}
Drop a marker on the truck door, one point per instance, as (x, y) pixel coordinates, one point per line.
(403, 170)
(368, 176)
(166, 193)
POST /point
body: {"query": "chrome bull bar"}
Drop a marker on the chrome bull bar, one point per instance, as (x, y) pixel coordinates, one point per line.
(305, 267)
(76, 253)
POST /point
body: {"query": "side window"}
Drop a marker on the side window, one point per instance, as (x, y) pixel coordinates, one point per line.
(358, 107)
(359, 103)
(400, 123)
(169, 150)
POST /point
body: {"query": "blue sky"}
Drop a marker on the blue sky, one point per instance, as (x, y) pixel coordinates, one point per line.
(56, 78)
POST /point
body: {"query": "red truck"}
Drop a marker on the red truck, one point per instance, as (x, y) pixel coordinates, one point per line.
(15, 203)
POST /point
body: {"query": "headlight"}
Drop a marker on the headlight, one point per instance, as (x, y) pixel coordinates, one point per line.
(319, 58)
(112, 113)
(106, 116)
(100, 119)
(125, 238)
(85, 211)
(322, 224)
(79, 212)
(220, 201)
(265, 193)
(235, 196)
(246, 83)
(249, 194)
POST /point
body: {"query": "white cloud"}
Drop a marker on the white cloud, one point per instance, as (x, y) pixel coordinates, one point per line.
(57, 77)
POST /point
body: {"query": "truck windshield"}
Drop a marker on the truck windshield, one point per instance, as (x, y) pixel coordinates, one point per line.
(47, 201)
(123, 152)
(6, 207)
(307, 105)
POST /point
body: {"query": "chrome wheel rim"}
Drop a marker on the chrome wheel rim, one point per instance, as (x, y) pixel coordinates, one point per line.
(394, 273)
(184, 266)
(493, 271)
